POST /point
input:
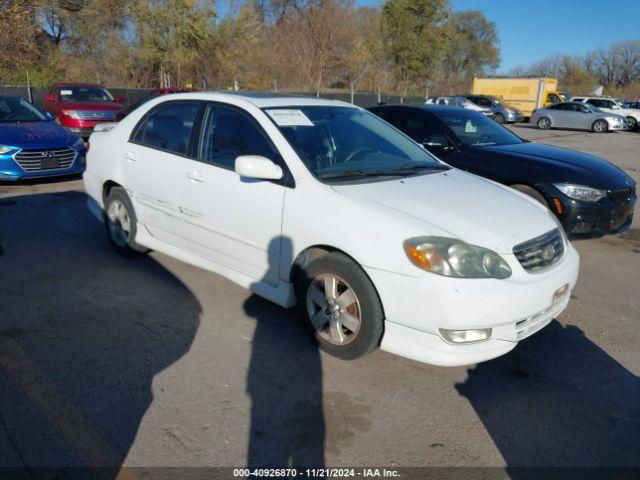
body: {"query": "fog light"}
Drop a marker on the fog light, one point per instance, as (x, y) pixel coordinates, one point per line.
(465, 336)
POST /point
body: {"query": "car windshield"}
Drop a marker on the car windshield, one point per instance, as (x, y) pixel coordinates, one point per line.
(462, 101)
(591, 108)
(344, 142)
(475, 129)
(19, 110)
(86, 94)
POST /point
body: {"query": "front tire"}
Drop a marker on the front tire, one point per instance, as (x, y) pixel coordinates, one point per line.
(600, 126)
(633, 123)
(544, 123)
(341, 305)
(499, 118)
(121, 223)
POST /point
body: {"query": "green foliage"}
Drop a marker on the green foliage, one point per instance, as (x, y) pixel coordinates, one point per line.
(412, 33)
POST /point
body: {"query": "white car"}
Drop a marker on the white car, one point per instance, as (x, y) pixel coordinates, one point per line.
(324, 205)
(611, 105)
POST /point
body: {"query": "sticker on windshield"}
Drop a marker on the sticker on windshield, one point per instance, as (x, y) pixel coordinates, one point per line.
(66, 92)
(470, 127)
(289, 118)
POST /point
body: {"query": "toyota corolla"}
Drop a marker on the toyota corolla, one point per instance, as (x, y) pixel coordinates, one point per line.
(322, 205)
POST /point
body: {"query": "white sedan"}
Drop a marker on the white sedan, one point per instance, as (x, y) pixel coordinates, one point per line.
(321, 204)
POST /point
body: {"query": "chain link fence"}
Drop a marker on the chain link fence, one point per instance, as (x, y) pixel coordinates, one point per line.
(131, 95)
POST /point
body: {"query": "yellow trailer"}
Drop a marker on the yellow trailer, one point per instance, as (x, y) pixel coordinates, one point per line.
(526, 94)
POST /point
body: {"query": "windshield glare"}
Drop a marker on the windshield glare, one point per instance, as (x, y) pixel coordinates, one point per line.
(477, 130)
(19, 110)
(86, 94)
(342, 140)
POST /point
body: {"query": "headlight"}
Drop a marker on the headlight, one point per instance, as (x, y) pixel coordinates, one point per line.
(454, 258)
(71, 113)
(5, 149)
(579, 192)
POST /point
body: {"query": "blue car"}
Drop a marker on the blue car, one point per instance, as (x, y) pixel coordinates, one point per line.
(33, 146)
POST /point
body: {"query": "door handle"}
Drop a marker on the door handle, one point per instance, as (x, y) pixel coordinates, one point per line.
(195, 177)
(130, 157)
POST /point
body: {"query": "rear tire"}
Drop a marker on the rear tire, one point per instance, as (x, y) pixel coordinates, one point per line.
(544, 123)
(600, 126)
(341, 306)
(633, 123)
(121, 223)
(499, 118)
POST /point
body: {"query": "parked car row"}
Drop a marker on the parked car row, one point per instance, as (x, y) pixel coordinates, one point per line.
(358, 217)
(355, 216)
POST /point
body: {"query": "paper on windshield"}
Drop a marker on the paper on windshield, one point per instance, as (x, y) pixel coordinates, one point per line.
(469, 127)
(289, 118)
(66, 92)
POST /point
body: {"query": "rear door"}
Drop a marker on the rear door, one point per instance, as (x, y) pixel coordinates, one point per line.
(154, 162)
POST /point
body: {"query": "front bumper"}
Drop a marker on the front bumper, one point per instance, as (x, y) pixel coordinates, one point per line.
(11, 171)
(514, 117)
(515, 308)
(588, 220)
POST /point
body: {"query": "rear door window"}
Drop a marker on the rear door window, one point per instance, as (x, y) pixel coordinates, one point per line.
(169, 127)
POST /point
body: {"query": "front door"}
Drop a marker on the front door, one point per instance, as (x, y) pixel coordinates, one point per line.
(230, 220)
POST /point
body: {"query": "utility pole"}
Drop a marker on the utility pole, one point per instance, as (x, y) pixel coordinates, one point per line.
(352, 93)
(29, 93)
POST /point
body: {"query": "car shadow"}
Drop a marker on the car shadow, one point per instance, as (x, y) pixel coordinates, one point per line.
(83, 332)
(284, 383)
(558, 400)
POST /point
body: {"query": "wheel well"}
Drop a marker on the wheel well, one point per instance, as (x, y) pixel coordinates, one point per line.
(311, 253)
(106, 188)
(520, 184)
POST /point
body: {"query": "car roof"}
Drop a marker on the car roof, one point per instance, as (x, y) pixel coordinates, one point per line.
(79, 84)
(260, 99)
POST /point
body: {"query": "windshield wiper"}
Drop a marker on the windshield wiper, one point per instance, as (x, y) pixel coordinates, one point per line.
(412, 167)
(355, 173)
(406, 169)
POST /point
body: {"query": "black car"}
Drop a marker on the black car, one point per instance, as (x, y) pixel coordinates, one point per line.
(590, 196)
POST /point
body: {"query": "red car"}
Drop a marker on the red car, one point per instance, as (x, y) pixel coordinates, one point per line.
(80, 106)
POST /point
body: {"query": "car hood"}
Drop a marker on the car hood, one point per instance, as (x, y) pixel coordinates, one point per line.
(459, 205)
(35, 135)
(77, 105)
(568, 165)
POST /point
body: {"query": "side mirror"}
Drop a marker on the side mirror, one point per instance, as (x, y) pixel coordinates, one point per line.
(49, 98)
(255, 166)
(120, 99)
(437, 141)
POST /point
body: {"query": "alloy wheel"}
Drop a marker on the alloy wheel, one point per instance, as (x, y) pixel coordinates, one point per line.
(119, 223)
(600, 126)
(334, 309)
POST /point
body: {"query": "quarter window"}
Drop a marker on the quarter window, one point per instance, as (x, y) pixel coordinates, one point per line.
(228, 133)
(168, 127)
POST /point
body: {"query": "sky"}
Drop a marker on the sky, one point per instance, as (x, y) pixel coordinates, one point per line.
(531, 30)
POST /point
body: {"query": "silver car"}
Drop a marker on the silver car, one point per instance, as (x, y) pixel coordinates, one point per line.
(578, 116)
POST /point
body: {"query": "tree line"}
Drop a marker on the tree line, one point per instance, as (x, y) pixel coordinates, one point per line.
(616, 68)
(405, 46)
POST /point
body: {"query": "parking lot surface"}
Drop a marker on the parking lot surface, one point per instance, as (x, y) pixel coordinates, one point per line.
(151, 362)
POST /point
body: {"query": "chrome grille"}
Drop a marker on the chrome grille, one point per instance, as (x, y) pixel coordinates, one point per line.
(49, 159)
(96, 114)
(540, 252)
(621, 195)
